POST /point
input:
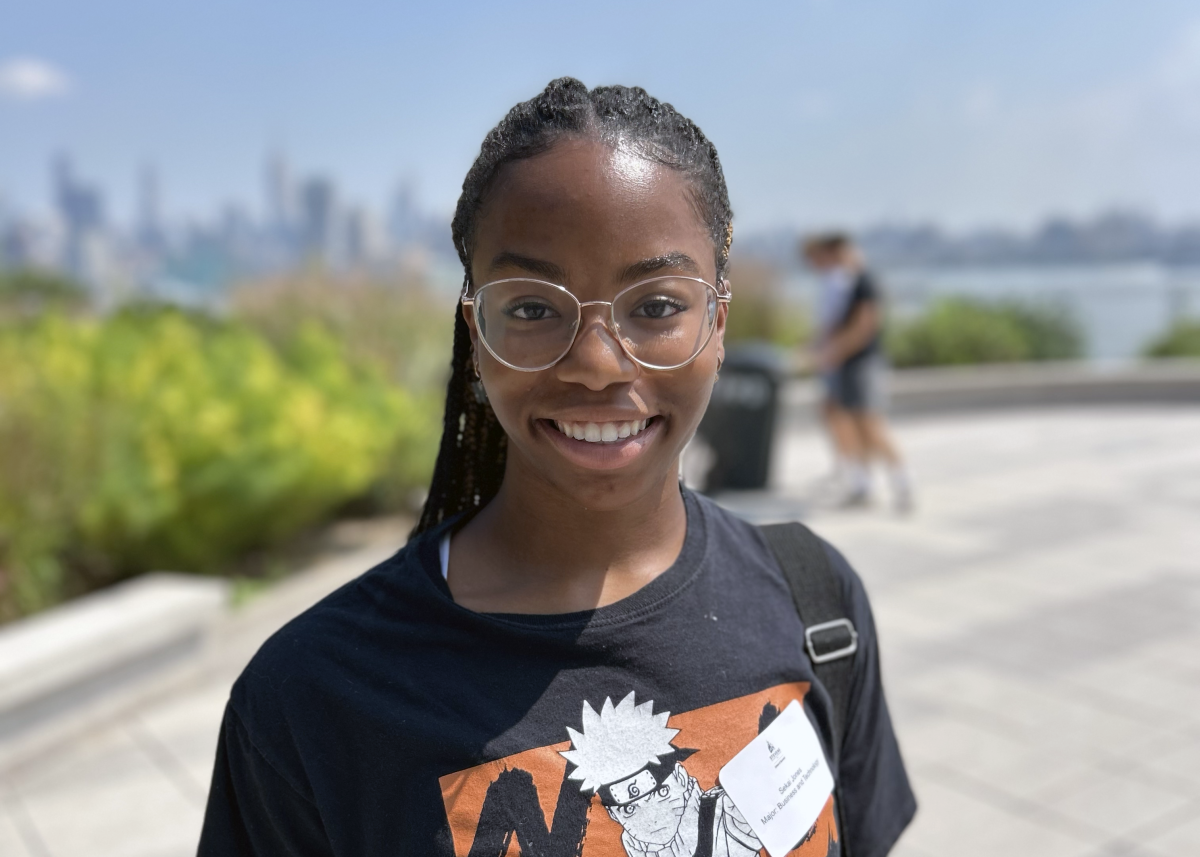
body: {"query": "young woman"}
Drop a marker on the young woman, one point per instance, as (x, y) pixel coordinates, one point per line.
(572, 646)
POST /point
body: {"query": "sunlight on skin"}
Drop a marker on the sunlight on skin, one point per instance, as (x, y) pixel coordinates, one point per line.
(576, 525)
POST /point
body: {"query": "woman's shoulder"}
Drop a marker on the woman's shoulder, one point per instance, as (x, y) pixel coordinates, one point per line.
(335, 636)
(732, 535)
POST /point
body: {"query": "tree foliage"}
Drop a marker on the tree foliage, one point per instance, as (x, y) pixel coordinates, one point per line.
(955, 331)
(28, 292)
(1181, 339)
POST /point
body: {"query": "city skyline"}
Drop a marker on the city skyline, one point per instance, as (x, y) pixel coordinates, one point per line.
(148, 190)
(824, 113)
(298, 218)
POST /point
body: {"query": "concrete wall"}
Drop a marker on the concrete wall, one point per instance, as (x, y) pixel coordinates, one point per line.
(915, 392)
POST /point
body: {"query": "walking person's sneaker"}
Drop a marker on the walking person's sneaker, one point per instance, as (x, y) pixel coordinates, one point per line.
(858, 498)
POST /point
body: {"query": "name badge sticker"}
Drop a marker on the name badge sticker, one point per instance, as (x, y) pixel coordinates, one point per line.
(780, 781)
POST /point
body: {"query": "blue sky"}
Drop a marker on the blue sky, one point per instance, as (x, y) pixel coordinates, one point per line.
(824, 112)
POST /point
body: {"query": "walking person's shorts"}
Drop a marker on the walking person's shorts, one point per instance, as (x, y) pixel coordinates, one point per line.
(859, 385)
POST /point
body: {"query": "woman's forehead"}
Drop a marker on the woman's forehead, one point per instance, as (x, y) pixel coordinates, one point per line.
(584, 203)
(579, 162)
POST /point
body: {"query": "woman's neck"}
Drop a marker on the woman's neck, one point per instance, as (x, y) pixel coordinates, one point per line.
(534, 550)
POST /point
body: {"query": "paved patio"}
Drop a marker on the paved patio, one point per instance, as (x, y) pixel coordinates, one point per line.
(1039, 614)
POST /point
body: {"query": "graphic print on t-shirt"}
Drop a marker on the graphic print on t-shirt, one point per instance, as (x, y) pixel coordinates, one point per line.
(630, 782)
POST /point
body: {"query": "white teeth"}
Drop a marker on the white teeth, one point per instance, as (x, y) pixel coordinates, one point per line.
(601, 432)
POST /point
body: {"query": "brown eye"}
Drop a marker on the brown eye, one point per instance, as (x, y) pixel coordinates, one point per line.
(530, 310)
(659, 306)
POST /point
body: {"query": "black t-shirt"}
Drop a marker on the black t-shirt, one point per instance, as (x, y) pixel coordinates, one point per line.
(388, 720)
(864, 290)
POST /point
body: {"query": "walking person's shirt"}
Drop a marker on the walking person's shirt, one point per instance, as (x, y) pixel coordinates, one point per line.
(834, 288)
(840, 292)
(388, 720)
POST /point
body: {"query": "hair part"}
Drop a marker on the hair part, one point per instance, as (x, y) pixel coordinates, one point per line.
(471, 460)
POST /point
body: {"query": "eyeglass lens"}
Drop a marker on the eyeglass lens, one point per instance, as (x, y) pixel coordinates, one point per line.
(662, 323)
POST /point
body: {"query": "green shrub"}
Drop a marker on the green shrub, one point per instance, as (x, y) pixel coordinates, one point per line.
(963, 331)
(1049, 331)
(1181, 339)
(761, 312)
(26, 292)
(159, 439)
(396, 328)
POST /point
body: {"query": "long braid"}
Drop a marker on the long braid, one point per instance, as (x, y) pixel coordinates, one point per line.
(470, 463)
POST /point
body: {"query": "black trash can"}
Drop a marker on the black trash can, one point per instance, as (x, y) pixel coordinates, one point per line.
(739, 426)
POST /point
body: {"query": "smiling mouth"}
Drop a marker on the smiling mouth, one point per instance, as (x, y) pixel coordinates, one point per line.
(602, 432)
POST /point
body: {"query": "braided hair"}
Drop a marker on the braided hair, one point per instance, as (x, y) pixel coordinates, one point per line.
(470, 462)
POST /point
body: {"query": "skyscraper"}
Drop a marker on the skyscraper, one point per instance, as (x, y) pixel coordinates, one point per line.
(79, 205)
(81, 210)
(318, 217)
(150, 233)
(281, 198)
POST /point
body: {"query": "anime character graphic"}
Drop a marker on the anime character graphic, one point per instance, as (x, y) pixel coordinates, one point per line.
(624, 781)
(625, 756)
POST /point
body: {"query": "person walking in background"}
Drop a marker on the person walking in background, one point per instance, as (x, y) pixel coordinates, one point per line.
(849, 357)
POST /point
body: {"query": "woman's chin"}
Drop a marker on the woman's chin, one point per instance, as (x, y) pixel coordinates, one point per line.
(603, 477)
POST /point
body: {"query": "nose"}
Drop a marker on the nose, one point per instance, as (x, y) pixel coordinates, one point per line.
(596, 358)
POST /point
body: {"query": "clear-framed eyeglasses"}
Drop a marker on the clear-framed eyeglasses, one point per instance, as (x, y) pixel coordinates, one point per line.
(661, 323)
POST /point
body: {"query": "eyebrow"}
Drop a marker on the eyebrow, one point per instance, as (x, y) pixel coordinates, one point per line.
(546, 270)
(638, 270)
(678, 261)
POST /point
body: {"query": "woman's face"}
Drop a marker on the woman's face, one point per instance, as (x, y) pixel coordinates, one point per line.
(595, 220)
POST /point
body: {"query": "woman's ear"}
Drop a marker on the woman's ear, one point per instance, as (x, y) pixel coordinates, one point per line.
(469, 318)
(722, 312)
(468, 311)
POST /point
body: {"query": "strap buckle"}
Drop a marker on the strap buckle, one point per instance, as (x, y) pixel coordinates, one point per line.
(831, 655)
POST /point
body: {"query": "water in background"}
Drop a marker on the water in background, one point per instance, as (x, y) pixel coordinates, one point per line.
(1120, 307)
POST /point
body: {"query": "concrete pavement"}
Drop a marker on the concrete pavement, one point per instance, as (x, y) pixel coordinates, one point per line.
(1040, 622)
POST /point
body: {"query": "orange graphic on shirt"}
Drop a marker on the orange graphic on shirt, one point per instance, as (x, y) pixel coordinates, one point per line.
(633, 782)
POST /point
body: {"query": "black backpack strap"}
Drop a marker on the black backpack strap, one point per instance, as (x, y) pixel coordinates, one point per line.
(830, 637)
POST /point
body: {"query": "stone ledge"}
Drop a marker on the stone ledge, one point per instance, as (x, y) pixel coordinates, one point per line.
(67, 667)
(966, 388)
